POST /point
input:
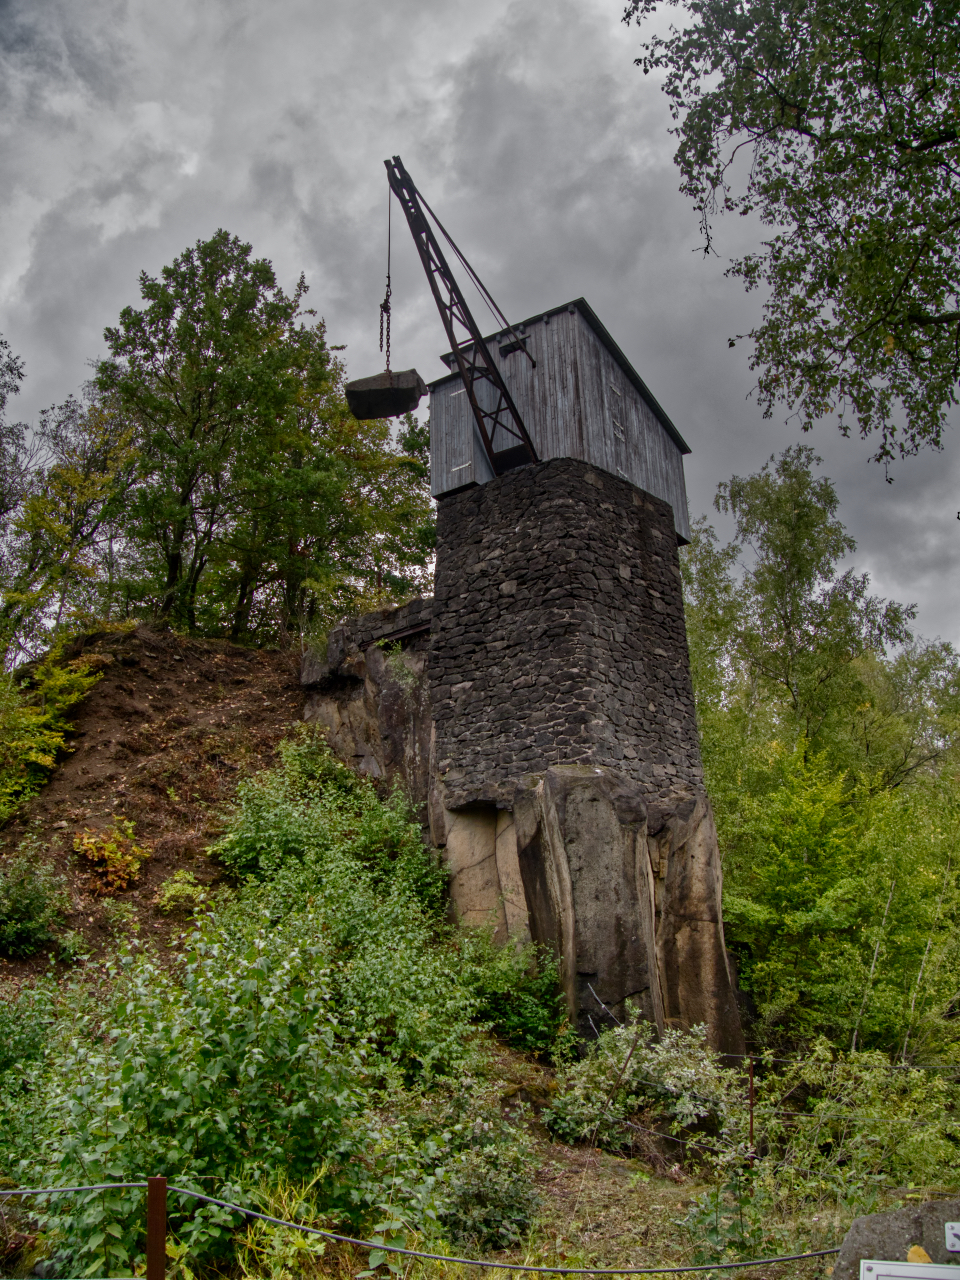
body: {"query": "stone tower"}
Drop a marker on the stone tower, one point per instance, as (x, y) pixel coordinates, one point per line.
(555, 740)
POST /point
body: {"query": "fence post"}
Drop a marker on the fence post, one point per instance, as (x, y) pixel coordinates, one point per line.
(156, 1228)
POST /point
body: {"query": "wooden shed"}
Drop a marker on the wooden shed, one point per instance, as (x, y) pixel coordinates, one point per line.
(583, 400)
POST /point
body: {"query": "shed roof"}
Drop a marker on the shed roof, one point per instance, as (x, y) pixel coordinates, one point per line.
(595, 323)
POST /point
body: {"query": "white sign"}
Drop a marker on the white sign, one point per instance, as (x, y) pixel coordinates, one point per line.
(873, 1269)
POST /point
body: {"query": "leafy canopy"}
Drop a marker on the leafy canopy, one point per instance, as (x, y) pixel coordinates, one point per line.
(837, 124)
(830, 741)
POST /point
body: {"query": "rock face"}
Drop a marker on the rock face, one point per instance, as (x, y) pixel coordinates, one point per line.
(540, 708)
(888, 1236)
(368, 691)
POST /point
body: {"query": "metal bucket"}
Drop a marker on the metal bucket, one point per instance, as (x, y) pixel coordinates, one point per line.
(385, 395)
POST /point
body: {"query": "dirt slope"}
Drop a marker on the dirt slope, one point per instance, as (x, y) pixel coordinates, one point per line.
(162, 741)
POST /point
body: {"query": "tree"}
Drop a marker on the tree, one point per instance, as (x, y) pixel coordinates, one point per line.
(253, 479)
(14, 451)
(832, 767)
(206, 372)
(837, 123)
(69, 484)
(803, 623)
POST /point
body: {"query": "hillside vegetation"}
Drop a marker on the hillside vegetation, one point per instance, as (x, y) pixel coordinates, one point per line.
(226, 958)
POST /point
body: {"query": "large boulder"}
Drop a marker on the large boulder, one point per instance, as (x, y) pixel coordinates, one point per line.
(889, 1236)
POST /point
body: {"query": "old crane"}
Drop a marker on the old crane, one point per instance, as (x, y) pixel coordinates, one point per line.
(505, 439)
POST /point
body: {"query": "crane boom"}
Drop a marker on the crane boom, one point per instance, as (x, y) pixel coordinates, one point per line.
(474, 361)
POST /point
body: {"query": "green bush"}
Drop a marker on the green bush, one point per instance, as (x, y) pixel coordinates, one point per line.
(489, 1198)
(518, 994)
(317, 1009)
(32, 902)
(676, 1076)
(237, 1069)
(312, 807)
(180, 894)
(25, 1021)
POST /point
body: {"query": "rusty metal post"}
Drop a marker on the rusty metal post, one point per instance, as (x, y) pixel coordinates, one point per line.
(156, 1228)
(750, 1065)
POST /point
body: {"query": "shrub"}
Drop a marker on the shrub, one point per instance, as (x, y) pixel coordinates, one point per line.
(518, 993)
(113, 855)
(399, 671)
(25, 1021)
(118, 916)
(32, 902)
(489, 1197)
(314, 808)
(314, 1008)
(627, 1069)
(180, 894)
(239, 1067)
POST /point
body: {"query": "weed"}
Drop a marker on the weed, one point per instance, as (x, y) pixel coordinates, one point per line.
(113, 855)
(118, 916)
(269, 1252)
(398, 670)
(72, 947)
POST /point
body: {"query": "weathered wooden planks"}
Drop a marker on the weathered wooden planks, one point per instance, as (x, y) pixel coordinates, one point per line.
(583, 400)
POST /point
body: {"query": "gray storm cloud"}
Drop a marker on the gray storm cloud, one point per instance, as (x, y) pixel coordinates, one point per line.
(128, 130)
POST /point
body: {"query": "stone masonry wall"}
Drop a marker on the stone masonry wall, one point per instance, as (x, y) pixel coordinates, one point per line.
(558, 635)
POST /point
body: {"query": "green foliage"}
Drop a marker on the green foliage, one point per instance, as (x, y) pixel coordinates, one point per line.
(733, 1220)
(836, 124)
(234, 1068)
(832, 769)
(180, 893)
(832, 1132)
(58, 540)
(33, 723)
(255, 491)
(402, 673)
(519, 993)
(277, 1253)
(801, 622)
(118, 916)
(628, 1069)
(831, 911)
(314, 808)
(25, 1020)
(211, 475)
(32, 902)
(309, 1007)
(488, 1199)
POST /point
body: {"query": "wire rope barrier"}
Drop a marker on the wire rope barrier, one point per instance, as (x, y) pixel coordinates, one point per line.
(486, 1264)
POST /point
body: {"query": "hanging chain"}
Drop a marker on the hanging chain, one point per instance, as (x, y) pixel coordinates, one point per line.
(385, 304)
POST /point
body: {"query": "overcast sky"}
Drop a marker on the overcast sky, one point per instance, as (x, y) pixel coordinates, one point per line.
(131, 128)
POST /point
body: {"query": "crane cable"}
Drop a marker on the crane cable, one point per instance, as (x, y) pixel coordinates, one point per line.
(385, 304)
(481, 288)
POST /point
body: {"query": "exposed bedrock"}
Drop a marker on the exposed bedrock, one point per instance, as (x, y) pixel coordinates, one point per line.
(627, 897)
(368, 691)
